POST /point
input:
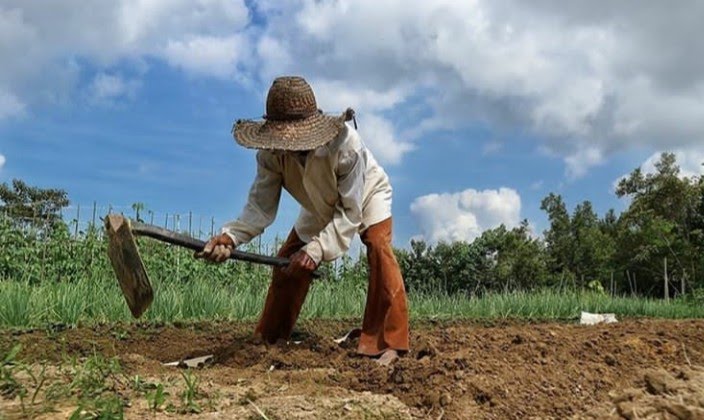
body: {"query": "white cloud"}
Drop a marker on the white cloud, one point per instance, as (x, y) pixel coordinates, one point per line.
(582, 159)
(463, 216)
(586, 80)
(337, 96)
(2, 161)
(210, 56)
(50, 38)
(583, 79)
(378, 134)
(107, 87)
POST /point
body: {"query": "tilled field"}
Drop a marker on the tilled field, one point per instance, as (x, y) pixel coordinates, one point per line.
(633, 369)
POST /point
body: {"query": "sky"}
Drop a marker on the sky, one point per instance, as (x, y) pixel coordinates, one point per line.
(477, 109)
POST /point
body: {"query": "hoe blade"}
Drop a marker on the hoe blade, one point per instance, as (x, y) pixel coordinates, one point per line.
(128, 266)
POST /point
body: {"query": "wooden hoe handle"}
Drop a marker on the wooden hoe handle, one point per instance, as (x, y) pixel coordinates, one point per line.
(194, 244)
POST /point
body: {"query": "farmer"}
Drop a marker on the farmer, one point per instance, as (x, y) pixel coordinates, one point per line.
(321, 161)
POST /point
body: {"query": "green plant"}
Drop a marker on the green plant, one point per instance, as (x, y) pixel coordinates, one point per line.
(190, 394)
(38, 380)
(595, 286)
(9, 385)
(104, 407)
(156, 398)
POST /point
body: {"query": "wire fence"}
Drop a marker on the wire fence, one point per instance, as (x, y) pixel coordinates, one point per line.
(32, 240)
(69, 244)
(80, 217)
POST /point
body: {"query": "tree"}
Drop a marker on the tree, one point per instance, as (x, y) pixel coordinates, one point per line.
(512, 259)
(32, 206)
(580, 247)
(662, 221)
(558, 238)
(593, 248)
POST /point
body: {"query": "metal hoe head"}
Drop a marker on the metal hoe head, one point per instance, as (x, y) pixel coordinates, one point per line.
(129, 268)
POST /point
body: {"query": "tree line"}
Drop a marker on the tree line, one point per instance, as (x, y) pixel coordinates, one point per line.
(655, 247)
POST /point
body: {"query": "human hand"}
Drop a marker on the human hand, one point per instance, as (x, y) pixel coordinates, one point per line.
(218, 249)
(300, 264)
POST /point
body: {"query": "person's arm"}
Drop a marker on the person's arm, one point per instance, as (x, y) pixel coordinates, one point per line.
(259, 212)
(335, 239)
(262, 202)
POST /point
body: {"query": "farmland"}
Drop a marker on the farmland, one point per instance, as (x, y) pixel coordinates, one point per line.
(70, 347)
(499, 369)
(495, 329)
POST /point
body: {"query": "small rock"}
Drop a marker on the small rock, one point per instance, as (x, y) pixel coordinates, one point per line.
(658, 382)
(610, 360)
(432, 398)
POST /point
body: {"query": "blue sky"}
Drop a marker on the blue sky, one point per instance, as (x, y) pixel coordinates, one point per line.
(475, 114)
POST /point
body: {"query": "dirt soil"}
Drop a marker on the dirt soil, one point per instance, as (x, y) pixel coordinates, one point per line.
(632, 369)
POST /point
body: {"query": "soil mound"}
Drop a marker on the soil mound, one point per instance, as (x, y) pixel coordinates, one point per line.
(632, 369)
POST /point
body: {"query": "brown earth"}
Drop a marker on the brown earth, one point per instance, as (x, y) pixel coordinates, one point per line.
(632, 369)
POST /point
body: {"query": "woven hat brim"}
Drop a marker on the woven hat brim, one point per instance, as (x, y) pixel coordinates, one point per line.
(299, 135)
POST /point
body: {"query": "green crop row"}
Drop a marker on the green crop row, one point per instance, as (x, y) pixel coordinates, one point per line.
(99, 300)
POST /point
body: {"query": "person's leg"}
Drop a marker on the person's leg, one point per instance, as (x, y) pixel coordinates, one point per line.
(285, 297)
(385, 325)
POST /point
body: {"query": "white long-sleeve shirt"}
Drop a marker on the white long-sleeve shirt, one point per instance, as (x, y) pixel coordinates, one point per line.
(341, 188)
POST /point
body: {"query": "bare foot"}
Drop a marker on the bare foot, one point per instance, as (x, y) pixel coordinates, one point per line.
(388, 357)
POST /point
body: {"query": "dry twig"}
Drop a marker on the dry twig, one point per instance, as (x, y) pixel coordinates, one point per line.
(257, 409)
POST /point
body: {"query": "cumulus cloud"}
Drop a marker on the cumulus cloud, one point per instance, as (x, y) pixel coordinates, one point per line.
(2, 161)
(41, 38)
(209, 56)
(585, 79)
(378, 134)
(582, 159)
(463, 216)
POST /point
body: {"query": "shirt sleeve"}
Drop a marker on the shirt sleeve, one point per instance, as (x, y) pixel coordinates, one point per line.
(335, 239)
(262, 202)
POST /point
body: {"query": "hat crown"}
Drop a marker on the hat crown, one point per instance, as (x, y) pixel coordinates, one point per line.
(290, 98)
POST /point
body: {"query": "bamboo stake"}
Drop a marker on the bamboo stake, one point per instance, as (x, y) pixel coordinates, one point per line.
(78, 216)
(682, 282)
(666, 287)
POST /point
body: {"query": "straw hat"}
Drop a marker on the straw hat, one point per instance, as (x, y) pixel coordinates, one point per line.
(292, 121)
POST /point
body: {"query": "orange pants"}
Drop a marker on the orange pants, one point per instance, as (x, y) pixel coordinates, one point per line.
(385, 324)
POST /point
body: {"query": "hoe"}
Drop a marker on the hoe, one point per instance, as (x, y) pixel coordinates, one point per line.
(129, 268)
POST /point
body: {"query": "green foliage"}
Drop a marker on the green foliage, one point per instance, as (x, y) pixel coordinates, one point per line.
(499, 260)
(663, 220)
(46, 274)
(32, 206)
(93, 382)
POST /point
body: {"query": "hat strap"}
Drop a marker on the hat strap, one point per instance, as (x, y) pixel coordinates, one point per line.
(348, 115)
